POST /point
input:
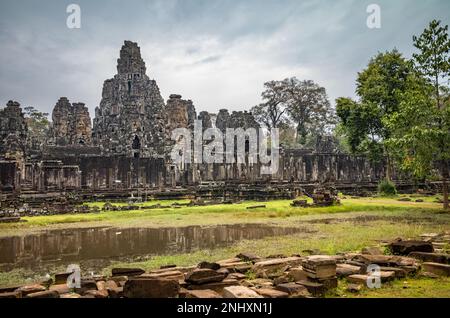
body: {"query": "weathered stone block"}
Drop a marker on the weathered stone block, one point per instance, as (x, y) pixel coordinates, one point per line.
(385, 260)
(96, 293)
(294, 289)
(431, 257)
(175, 275)
(239, 292)
(70, 295)
(61, 278)
(320, 266)
(343, 270)
(316, 289)
(60, 288)
(208, 265)
(248, 257)
(202, 293)
(437, 268)
(29, 289)
(277, 263)
(218, 286)
(297, 274)
(204, 276)
(362, 279)
(271, 293)
(406, 247)
(44, 294)
(399, 272)
(358, 279)
(151, 288)
(127, 271)
(14, 294)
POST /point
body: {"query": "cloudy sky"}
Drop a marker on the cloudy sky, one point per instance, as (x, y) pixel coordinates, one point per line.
(216, 52)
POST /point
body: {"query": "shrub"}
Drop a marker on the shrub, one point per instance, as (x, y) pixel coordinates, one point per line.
(387, 187)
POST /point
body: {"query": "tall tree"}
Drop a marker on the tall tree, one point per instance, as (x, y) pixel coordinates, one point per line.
(272, 112)
(378, 88)
(433, 61)
(361, 126)
(309, 108)
(423, 125)
(38, 126)
(433, 58)
(418, 131)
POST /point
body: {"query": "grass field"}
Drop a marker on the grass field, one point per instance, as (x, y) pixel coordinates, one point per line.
(355, 224)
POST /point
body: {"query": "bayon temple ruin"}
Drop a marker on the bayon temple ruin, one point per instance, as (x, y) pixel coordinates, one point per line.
(127, 145)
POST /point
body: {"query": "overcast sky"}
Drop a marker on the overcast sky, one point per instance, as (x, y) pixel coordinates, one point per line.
(216, 52)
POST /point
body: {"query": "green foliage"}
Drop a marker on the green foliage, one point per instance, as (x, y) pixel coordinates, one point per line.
(272, 112)
(387, 188)
(433, 58)
(421, 128)
(38, 126)
(250, 275)
(380, 82)
(309, 108)
(416, 134)
(343, 145)
(304, 103)
(378, 86)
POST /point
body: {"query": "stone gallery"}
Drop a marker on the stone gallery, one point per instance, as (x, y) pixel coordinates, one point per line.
(128, 146)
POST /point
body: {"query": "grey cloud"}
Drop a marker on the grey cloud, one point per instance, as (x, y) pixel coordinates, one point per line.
(215, 52)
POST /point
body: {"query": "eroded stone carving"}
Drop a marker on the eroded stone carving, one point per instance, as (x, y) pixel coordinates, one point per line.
(13, 130)
(180, 113)
(131, 118)
(71, 123)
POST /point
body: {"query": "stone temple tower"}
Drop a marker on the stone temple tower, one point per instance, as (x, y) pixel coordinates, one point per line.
(131, 117)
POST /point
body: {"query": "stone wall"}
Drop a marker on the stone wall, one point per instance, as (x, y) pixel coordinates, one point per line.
(51, 175)
(9, 180)
(118, 172)
(121, 172)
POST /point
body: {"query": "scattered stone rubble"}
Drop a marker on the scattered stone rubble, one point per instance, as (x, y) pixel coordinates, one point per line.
(9, 216)
(321, 198)
(62, 205)
(250, 276)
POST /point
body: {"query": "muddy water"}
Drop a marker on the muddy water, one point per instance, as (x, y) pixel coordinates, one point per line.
(58, 247)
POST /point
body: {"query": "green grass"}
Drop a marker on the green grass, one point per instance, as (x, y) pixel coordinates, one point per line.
(213, 214)
(403, 288)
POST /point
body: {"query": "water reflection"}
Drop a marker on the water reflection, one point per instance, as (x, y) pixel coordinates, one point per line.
(75, 245)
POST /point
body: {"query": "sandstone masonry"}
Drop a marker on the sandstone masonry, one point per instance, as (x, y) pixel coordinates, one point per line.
(71, 123)
(131, 118)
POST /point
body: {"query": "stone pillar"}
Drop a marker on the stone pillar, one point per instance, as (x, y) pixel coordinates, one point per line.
(94, 179)
(129, 180)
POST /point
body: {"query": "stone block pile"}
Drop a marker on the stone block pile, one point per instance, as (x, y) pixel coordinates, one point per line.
(249, 276)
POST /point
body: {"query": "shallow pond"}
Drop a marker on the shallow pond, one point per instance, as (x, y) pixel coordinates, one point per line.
(100, 245)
